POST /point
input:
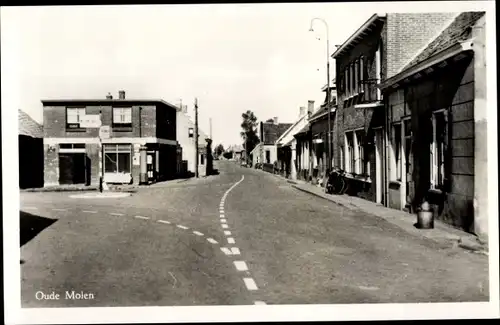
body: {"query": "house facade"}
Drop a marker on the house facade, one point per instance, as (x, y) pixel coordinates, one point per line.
(141, 145)
(381, 47)
(186, 138)
(30, 152)
(436, 109)
(266, 152)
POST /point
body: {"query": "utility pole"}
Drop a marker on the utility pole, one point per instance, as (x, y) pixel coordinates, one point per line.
(196, 134)
(210, 120)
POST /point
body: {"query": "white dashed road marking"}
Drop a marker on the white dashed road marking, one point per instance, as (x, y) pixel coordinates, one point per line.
(225, 226)
(230, 240)
(197, 233)
(235, 251)
(250, 283)
(89, 211)
(164, 221)
(223, 220)
(227, 233)
(59, 209)
(226, 250)
(241, 265)
(31, 208)
(259, 303)
(141, 217)
(182, 227)
(211, 240)
(118, 214)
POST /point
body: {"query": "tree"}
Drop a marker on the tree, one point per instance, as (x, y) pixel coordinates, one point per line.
(219, 150)
(249, 133)
(270, 120)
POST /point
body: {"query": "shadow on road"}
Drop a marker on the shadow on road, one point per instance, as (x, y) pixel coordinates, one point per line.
(31, 225)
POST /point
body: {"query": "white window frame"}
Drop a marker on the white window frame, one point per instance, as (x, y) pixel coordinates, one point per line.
(378, 71)
(80, 111)
(361, 74)
(118, 148)
(346, 78)
(436, 166)
(350, 158)
(396, 162)
(122, 115)
(352, 77)
(356, 71)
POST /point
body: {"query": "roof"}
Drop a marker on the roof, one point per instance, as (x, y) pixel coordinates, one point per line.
(305, 129)
(28, 126)
(458, 31)
(272, 131)
(47, 102)
(359, 34)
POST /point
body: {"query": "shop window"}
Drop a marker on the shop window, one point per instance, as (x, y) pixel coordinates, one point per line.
(437, 150)
(73, 117)
(117, 158)
(122, 116)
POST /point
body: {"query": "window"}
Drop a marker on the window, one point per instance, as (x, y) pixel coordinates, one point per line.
(407, 143)
(396, 149)
(202, 160)
(361, 74)
(360, 152)
(437, 150)
(73, 116)
(341, 157)
(117, 158)
(191, 132)
(350, 160)
(351, 72)
(122, 116)
(346, 79)
(268, 156)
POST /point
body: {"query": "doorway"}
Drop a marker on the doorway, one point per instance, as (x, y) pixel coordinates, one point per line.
(379, 160)
(72, 168)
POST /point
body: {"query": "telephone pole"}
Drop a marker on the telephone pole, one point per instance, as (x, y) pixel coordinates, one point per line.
(196, 134)
(210, 128)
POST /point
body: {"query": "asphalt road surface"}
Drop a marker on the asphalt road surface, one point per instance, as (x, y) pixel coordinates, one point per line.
(243, 237)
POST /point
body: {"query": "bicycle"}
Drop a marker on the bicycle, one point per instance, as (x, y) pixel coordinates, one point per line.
(336, 183)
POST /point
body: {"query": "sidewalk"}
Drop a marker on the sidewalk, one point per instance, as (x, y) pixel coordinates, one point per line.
(442, 233)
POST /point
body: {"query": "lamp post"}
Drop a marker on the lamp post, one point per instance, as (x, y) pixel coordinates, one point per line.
(328, 89)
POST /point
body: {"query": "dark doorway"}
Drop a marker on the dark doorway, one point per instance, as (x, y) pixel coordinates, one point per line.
(72, 168)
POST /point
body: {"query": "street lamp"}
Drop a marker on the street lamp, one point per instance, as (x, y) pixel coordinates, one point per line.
(328, 83)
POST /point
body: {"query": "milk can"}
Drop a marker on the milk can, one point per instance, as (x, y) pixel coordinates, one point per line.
(425, 216)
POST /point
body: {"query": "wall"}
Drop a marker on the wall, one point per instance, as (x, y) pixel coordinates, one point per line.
(451, 88)
(54, 121)
(184, 122)
(30, 162)
(408, 33)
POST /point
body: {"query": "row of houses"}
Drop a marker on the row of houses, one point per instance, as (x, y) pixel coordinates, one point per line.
(146, 141)
(407, 115)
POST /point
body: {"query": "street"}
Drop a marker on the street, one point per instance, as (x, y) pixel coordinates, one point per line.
(243, 237)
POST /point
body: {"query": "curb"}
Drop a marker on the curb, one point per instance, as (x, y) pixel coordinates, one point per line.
(464, 242)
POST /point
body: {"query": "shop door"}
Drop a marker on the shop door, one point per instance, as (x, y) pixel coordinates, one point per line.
(150, 158)
(72, 168)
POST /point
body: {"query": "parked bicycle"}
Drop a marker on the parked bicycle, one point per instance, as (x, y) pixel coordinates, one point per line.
(336, 183)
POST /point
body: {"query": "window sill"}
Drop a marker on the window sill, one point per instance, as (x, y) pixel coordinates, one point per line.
(117, 128)
(76, 129)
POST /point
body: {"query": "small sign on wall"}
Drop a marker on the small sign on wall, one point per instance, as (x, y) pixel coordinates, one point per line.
(136, 160)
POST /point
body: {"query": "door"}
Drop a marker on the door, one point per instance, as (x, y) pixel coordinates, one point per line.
(379, 160)
(72, 168)
(150, 159)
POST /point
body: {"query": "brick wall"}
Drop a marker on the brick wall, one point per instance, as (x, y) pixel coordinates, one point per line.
(143, 122)
(92, 151)
(51, 165)
(408, 33)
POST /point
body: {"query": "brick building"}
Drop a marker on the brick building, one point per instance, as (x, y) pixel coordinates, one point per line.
(380, 48)
(142, 146)
(437, 127)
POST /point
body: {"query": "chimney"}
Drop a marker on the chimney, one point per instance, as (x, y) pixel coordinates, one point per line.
(310, 106)
(302, 111)
(109, 96)
(121, 94)
(275, 119)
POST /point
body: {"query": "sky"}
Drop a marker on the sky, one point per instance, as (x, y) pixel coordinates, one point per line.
(232, 57)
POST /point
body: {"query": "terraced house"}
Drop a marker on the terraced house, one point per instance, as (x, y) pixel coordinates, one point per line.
(141, 146)
(380, 48)
(436, 118)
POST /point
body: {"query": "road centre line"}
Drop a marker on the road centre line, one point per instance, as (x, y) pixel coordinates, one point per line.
(225, 226)
(31, 208)
(211, 240)
(89, 211)
(197, 233)
(227, 233)
(182, 227)
(164, 221)
(230, 240)
(226, 250)
(223, 220)
(116, 214)
(59, 209)
(141, 217)
(235, 251)
(257, 302)
(241, 265)
(250, 284)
